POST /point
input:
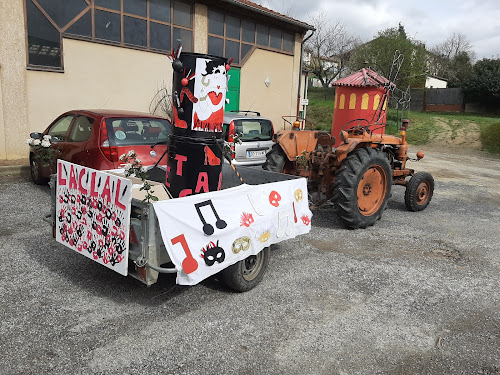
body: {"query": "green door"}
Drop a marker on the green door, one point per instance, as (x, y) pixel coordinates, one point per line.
(233, 90)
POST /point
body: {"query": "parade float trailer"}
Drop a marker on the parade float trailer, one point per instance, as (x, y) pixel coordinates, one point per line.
(203, 217)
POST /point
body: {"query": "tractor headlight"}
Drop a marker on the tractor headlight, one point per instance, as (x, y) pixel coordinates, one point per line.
(344, 136)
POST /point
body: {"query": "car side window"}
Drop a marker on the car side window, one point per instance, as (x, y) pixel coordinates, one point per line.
(82, 127)
(60, 128)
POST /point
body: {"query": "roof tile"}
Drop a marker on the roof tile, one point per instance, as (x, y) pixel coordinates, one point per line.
(363, 78)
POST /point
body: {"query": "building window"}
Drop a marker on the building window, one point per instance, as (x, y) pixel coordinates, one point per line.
(44, 40)
(234, 37)
(151, 25)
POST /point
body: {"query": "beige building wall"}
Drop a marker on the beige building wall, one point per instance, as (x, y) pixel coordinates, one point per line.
(96, 76)
(102, 76)
(14, 128)
(280, 97)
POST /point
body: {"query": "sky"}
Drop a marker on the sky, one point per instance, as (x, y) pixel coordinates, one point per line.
(429, 21)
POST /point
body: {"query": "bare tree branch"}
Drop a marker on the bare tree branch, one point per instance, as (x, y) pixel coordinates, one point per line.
(328, 49)
(454, 45)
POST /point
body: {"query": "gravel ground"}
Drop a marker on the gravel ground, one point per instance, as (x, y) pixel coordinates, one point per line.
(418, 293)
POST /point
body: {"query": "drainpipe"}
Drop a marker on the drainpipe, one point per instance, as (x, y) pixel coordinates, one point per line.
(300, 70)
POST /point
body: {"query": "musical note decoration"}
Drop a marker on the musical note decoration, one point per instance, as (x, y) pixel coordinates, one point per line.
(189, 264)
(208, 229)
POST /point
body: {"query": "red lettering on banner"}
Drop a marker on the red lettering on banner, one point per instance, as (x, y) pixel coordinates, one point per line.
(72, 179)
(166, 177)
(185, 192)
(93, 192)
(106, 191)
(202, 182)
(80, 186)
(60, 180)
(117, 195)
(180, 159)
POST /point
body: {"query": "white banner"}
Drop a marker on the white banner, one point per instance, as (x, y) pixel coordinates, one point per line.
(93, 214)
(208, 232)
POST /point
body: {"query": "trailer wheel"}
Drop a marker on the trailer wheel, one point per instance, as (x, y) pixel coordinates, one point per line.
(362, 188)
(275, 159)
(419, 191)
(247, 273)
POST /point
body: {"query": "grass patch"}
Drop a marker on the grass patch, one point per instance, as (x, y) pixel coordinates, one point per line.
(319, 114)
(490, 138)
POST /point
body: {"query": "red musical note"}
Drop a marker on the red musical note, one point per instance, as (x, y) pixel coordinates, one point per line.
(189, 264)
(294, 213)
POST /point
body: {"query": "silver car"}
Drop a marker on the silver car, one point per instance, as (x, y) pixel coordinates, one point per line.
(256, 134)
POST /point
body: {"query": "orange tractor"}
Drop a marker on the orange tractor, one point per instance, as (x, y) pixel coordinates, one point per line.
(358, 174)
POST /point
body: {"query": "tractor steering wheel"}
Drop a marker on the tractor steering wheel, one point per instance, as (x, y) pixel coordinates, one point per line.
(358, 127)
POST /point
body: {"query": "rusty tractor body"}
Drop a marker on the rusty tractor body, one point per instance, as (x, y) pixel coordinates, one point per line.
(357, 175)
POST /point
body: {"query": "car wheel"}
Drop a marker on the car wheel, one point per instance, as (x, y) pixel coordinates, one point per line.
(36, 175)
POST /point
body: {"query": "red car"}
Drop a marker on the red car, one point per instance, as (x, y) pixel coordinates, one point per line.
(97, 139)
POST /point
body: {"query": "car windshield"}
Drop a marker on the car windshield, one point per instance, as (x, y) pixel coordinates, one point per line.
(253, 129)
(137, 131)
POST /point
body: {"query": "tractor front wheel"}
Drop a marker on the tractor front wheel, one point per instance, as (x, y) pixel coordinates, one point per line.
(362, 188)
(419, 191)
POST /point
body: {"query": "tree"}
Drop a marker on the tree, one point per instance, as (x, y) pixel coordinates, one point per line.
(379, 54)
(484, 83)
(453, 46)
(452, 59)
(329, 49)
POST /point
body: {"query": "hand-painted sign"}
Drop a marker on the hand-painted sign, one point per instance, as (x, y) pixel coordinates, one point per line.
(93, 214)
(210, 89)
(208, 232)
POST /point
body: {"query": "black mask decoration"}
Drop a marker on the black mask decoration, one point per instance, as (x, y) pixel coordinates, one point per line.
(213, 253)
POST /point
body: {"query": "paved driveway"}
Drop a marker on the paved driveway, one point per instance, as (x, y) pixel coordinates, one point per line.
(418, 293)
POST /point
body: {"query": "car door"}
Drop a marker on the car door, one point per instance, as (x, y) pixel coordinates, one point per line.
(79, 138)
(58, 132)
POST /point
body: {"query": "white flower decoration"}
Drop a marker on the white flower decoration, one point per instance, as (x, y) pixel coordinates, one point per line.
(36, 142)
(45, 143)
(47, 137)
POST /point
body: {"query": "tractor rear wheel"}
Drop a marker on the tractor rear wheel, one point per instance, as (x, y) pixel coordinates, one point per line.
(419, 191)
(362, 188)
(275, 159)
